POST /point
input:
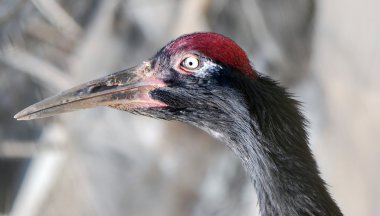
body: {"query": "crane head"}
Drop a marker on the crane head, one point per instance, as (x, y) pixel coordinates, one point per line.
(191, 76)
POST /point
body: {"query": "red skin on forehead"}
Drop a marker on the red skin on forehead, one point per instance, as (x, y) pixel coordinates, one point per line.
(217, 47)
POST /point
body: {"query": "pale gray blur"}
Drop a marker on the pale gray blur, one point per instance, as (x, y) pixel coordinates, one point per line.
(107, 162)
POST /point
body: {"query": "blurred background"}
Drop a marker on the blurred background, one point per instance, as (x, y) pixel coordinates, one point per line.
(107, 162)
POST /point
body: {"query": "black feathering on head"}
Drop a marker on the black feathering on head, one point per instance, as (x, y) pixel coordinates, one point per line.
(259, 121)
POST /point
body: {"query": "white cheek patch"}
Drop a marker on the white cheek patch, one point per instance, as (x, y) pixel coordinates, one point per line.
(208, 67)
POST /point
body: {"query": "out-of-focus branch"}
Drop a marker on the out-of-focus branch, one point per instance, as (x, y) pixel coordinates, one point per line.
(47, 73)
(53, 139)
(17, 149)
(58, 17)
(49, 34)
(196, 9)
(95, 44)
(12, 149)
(259, 29)
(8, 8)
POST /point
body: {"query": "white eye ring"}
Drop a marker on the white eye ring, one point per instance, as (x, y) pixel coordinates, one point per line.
(190, 63)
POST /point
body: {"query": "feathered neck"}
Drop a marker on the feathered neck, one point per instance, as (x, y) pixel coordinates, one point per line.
(273, 146)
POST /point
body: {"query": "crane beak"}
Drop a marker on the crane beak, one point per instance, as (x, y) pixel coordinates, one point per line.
(127, 90)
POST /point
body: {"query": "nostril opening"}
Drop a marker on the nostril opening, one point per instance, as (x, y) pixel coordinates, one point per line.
(99, 88)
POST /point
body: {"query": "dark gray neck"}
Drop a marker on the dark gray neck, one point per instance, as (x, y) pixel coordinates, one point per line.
(269, 136)
(262, 124)
(287, 183)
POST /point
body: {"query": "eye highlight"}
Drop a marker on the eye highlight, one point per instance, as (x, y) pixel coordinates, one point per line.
(190, 63)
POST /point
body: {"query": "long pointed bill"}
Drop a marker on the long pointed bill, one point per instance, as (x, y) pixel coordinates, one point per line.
(126, 90)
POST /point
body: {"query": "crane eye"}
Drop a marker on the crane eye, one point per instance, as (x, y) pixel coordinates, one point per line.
(190, 63)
